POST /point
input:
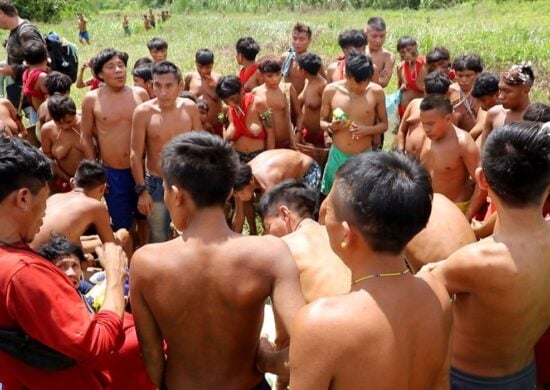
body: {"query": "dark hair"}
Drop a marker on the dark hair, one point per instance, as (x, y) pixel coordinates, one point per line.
(105, 56)
(404, 42)
(90, 174)
(202, 105)
(537, 112)
(143, 72)
(157, 43)
(359, 66)
(203, 165)
(188, 95)
(204, 57)
(143, 61)
(7, 7)
(166, 67)
(295, 194)
(22, 166)
(310, 62)
(437, 82)
(468, 62)
(228, 86)
(57, 82)
(302, 28)
(486, 84)
(438, 102)
(248, 48)
(352, 38)
(438, 53)
(243, 176)
(377, 23)
(34, 52)
(386, 196)
(58, 247)
(270, 64)
(60, 105)
(516, 162)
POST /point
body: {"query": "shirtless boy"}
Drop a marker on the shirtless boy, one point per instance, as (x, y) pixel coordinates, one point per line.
(450, 155)
(282, 101)
(382, 59)
(365, 106)
(202, 83)
(107, 118)
(310, 100)
(34, 76)
(154, 124)
(410, 135)
(60, 140)
(411, 72)
(439, 59)
(465, 106)
(287, 211)
(10, 120)
(247, 50)
(485, 92)
(350, 40)
(142, 77)
(369, 226)
(514, 87)
(211, 327)
(499, 277)
(83, 35)
(158, 49)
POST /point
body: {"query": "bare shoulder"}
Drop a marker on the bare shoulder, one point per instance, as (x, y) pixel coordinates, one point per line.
(47, 128)
(387, 54)
(481, 258)
(464, 137)
(494, 111)
(91, 96)
(331, 88)
(184, 102)
(375, 88)
(139, 93)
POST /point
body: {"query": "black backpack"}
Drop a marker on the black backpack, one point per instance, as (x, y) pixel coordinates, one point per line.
(63, 55)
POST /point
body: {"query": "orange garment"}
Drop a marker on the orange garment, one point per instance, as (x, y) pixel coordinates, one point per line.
(29, 81)
(238, 118)
(246, 74)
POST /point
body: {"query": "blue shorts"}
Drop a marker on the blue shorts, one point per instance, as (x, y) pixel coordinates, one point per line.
(313, 176)
(121, 198)
(525, 379)
(84, 35)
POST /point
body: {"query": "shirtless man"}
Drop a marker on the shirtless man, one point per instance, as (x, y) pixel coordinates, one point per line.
(154, 124)
(364, 105)
(465, 106)
(107, 119)
(485, 92)
(158, 49)
(502, 302)
(450, 155)
(410, 135)
(369, 226)
(202, 84)
(411, 72)
(73, 213)
(56, 83)
(287, 211)
(282, 101)
(211, 327)
(247, 50)
(60, 140)
(83, 35)
(382, 59)
(514, 87)
(310, 100)
(10, 120)
(350, 40)
(142, 77)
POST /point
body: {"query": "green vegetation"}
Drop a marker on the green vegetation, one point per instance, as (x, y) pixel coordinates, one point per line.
(502, 33)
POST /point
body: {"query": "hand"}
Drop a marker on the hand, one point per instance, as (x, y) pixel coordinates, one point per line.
(114, 261)
(265, 349)
(431, 266)
(337, 125)
(384, 73)
(328, 139)
(6, 70)
(356, 131)
(145, 203)
(403, 87)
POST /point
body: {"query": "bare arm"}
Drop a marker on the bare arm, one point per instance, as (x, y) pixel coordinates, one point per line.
(398, 73)
(386, 72)
(403, 129)
(322, 72)
(476, 131)
(195, 117)
(471, 158)
(102, 224)
(187, 81)
(487, 127)
(297, 110)
(80, 77)
(87, 126)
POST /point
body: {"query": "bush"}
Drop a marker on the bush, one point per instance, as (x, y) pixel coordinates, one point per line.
(52, 10)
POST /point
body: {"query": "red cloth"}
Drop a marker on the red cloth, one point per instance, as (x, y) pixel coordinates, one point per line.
(29, 80)
(452, 75)
(40, 299)
(238, 118)
(245, 75)
(62, 186)
(95, 84)
(410, 81)
(315, 139)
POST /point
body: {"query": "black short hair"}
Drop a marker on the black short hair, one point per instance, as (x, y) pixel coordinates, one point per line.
(157, 43)
(437, 82)
(166, 67)
(203, 165)
(468, 62)
(516, 162)
(377, 23)
(405, 41)
(438, 53)
(143, 72)
(248, 48)
(386, 196)
(352, 38)
(34, 52)
(228, 86)
(59, 247)
(105, 56)
(486, 84)
(243, 176)
(359, 66)
(295, 194)
(90, 174)
(270, 64)
(57, 82)
(61, 105)
(537, 112)
(7, 7)
(438, 102)
(204, 57)
(310, 62)
(203, 105)
(189, 95)
(143, 61)
(22, 166)
(302, 28)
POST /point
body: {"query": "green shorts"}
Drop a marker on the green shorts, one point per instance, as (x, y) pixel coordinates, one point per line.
(335, 159)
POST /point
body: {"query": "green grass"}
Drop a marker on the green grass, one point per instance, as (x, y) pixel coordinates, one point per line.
(501, 33)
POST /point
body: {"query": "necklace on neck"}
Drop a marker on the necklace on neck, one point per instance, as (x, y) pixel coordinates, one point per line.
(379, 275)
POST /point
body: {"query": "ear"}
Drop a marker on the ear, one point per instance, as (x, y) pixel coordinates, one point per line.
(284, 212)
(23, 199)
(178, 195)
(347, 238)
(481, 179)
(73, 183)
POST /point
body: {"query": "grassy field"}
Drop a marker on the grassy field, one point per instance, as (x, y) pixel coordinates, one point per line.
(501, 33)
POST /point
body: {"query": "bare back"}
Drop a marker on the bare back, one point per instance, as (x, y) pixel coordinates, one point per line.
(274, 166)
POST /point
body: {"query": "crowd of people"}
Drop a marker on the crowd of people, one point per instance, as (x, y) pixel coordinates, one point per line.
(129, 249)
